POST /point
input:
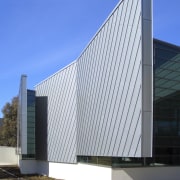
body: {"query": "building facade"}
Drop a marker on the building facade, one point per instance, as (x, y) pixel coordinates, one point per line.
(107, 107)
(166, 119)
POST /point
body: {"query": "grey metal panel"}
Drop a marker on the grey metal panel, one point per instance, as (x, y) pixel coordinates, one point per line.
(106, 88)
(110, 86)
(147, 81)
(22, 116)
(60, 90)
(41, 128)
(131, 58)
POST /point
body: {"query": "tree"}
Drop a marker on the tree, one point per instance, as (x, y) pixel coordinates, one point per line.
(8, 131)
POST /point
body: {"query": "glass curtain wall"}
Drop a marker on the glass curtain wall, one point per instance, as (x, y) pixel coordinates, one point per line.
(166, 141)
(30, 125)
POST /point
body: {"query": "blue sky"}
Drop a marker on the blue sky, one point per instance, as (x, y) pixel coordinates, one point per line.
(39, 37)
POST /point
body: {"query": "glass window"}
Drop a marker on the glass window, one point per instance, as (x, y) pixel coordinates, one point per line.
(166, 145)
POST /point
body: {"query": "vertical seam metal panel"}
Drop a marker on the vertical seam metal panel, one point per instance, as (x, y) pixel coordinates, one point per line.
(111, 88)
(96, 95)
(106, 83)
(92, 68)
(104, 94)
(60, 90)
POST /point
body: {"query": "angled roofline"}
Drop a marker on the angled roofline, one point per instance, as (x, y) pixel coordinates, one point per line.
(166, 43)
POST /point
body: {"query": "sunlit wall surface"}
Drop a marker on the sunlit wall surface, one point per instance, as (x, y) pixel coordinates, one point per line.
(166, 103)
(22, 117)
(60, 92)
(114, 85)
(166, 115)
(26, 120)
(101, 105)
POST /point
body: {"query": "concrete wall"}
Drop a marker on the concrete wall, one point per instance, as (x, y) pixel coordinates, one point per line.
(65, 171)
(92, 172)
(150, 173)
(34, 167)
(8, 156)
(28, 166)
(79, 172)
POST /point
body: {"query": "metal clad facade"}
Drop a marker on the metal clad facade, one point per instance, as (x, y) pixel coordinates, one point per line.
(22, 116)
(110, 90)
(41, 128)
(147, 81)
(60, 90)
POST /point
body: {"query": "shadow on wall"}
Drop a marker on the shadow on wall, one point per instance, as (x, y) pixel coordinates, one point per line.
(34, 167)
(41, 128)
(150, 173)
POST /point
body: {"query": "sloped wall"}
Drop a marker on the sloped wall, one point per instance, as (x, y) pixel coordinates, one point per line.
(114, 85)
(60, 90)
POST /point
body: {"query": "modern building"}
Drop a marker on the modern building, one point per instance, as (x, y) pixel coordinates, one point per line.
(111, 114)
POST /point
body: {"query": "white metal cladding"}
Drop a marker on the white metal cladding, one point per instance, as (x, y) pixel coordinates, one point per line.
(110, 88)
(60, 90)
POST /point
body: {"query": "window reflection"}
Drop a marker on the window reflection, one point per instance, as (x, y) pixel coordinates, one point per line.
(166, 103)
